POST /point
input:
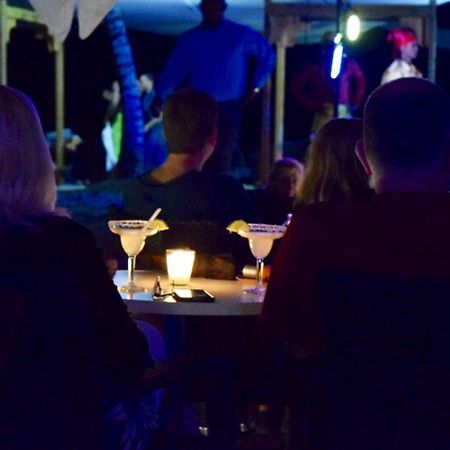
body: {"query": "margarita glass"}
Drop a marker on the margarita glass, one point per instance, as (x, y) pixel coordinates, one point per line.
(260, 238)
(132, 237)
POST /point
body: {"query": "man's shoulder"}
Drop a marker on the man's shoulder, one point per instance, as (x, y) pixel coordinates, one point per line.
(239, 29)
(234, 25)
(330, 210)
(385, 210)
(227, 26)
(191, 35)
(137, 184)
(62, 225)
(223, 182)
(327, 222)
(146, 182)
(191, 32)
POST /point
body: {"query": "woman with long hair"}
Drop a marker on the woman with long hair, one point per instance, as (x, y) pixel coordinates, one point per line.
(67, 343)
(333, 172)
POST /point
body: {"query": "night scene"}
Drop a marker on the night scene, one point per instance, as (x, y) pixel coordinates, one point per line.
(226, 224)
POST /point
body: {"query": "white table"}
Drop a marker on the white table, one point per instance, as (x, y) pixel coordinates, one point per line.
(230, 300)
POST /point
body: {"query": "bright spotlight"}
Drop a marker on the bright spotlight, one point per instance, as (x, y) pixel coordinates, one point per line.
(353, 27)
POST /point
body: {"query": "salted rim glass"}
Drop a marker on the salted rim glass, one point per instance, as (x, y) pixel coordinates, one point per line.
(133, 234)
(260, 239)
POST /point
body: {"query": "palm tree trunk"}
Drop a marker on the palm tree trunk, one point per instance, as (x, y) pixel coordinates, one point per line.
(131, 160)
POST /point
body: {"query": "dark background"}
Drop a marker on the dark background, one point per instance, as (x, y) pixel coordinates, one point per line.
(90, 68)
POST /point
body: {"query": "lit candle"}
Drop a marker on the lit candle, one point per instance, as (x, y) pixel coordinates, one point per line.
(179, 266)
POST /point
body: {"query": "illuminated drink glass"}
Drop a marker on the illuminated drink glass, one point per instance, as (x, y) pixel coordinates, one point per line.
(132, 237)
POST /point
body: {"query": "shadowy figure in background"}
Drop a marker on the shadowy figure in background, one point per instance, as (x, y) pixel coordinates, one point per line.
(276, 200)
(67, 341)
(404, 50)
(146, 85)
(101, 136)
(155, 143)
(229, 61)
(113, 129)
(198, 206)
(314, 89)
(333, 172)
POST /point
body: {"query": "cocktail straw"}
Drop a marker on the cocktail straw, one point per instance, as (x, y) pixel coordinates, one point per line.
(152, 218)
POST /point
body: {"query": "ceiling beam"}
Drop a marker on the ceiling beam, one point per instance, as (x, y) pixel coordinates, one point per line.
(310, 11)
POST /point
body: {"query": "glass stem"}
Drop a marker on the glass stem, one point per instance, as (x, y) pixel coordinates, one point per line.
(131, 262)
(259, 272)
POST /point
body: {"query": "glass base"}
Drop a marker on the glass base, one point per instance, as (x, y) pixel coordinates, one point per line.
(256, 290)
(130, 288)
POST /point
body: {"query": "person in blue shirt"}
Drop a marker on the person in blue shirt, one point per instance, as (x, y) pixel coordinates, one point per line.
(229, 61)
(155, 144)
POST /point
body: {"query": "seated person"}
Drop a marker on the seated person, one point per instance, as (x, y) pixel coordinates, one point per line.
(402, 231)
(333, 172)
(276, 200)
(197, 206)
(67, 341)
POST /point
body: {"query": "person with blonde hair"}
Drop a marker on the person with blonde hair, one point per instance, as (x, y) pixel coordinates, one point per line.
(27, 180)
(67, 340)
(333, 172)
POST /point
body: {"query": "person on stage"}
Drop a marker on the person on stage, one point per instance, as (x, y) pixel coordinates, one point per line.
(229, 61)
(405, 50)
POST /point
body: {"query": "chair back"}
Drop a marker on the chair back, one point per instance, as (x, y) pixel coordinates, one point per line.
(384, 383)
(50, 382)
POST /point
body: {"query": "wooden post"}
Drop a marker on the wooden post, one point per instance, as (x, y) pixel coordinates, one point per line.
(4, 37)
(265, 153)
(285, 29)
(432, 40)
(58, 48)
(9, 16)
(279, 103)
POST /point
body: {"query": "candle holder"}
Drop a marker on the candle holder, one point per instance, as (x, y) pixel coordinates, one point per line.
(179, 266)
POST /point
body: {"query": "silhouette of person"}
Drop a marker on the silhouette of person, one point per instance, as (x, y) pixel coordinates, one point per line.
(404, 50)
(314, 89)
(229, 61)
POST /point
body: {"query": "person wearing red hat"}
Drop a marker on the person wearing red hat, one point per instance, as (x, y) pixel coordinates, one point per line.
(405, 50)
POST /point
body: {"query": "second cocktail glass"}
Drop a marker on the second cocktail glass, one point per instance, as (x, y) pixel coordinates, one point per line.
(260, 238)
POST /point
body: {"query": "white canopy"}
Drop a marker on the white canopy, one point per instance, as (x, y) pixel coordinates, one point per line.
(175, 16)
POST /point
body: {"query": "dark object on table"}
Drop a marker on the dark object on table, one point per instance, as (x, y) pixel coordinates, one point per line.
(193, 296)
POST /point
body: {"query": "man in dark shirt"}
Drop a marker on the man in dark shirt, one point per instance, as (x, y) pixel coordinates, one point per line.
(404, 231)
(181, 189)
(179, 186)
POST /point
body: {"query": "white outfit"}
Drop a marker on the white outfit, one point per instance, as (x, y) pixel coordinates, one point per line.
(400, 69)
